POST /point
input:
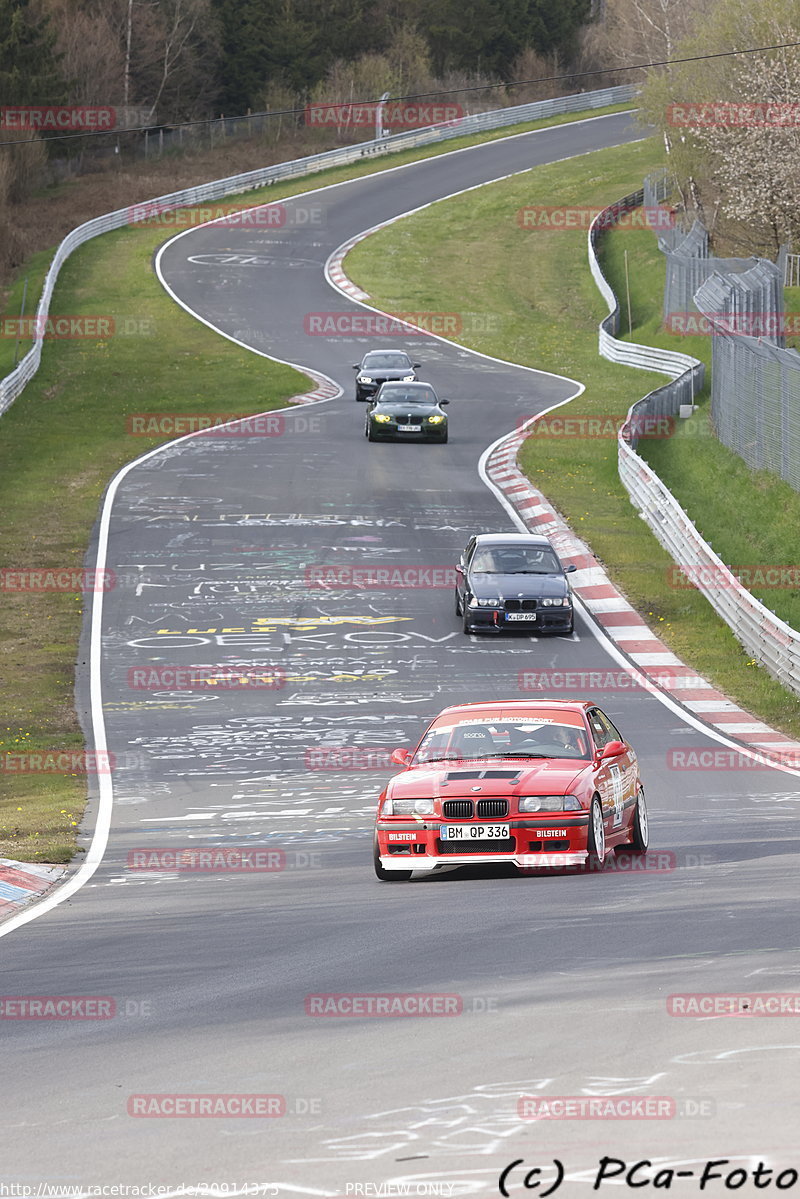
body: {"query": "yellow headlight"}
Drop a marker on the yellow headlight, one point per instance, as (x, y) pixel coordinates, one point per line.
(382, 418)
(435, 420)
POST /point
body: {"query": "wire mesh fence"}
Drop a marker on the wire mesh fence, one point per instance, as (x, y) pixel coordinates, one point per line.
(740, 304)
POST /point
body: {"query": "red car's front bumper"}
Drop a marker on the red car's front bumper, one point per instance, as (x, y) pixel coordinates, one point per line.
(556, 840)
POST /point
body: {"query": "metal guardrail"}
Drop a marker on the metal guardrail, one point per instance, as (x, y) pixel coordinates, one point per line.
(772, 642)
(13, 384)
(629, 353)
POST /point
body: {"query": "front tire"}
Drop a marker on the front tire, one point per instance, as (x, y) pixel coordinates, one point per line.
(370, 435)
(465, 625)
(458, 605)
(640, 830)
(387, 876)
(596, 837)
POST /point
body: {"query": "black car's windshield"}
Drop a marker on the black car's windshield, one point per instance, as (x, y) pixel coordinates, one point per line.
(515, 560)
(522, 738)
(423, 396)
(387, 362)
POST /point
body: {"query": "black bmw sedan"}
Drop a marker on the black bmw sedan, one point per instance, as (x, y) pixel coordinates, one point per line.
(513, 581)
(406, 412)
(378, 366)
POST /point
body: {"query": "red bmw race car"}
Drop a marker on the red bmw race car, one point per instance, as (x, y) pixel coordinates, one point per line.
(537, 784)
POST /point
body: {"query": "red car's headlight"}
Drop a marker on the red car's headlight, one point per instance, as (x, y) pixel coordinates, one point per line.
(549, 803)
(407, 807)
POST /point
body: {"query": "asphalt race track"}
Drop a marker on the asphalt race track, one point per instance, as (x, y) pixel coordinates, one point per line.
(562, 978)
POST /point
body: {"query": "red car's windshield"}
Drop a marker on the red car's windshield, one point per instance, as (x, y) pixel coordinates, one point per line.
(522, 737)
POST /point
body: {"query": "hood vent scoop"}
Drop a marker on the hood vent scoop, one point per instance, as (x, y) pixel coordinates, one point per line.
(458, 776)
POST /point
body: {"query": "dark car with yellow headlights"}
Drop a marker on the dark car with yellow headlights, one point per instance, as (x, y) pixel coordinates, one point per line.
(406, 412)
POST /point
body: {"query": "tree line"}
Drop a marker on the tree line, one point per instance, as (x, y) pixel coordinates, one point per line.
(181, 59)
(174, 60)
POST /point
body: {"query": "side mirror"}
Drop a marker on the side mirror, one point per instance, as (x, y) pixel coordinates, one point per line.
(356, 366)
(401, 757)
(417, 366)
(614, 749)
(569, 569)
(443, 402)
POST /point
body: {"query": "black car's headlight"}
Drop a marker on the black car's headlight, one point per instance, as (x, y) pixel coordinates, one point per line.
(435, 420)
(408, 379)
(556, 603)
(365, 379)
(381, 418)
(407, 807)
(485, 603)
(549, 803)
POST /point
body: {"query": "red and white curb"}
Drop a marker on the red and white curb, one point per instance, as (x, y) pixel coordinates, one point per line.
(20, 882)
(335, 271)
(622, 623)
(326, 389)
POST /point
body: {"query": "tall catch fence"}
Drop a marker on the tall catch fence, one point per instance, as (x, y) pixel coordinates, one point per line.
(755, 388)
(13, 384)
(755, 380)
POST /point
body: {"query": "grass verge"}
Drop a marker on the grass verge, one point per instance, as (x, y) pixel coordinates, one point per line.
(540, 308)
(61, 442)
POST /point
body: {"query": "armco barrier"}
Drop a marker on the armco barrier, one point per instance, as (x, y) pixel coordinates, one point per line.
(12, 385)
(768, 639)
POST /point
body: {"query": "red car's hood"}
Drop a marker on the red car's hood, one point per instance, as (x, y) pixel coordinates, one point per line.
(547, 777)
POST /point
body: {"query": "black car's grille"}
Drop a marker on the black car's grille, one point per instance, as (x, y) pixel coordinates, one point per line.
(515, 605)
(492, 807)
(507, 845)
(454, 808)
